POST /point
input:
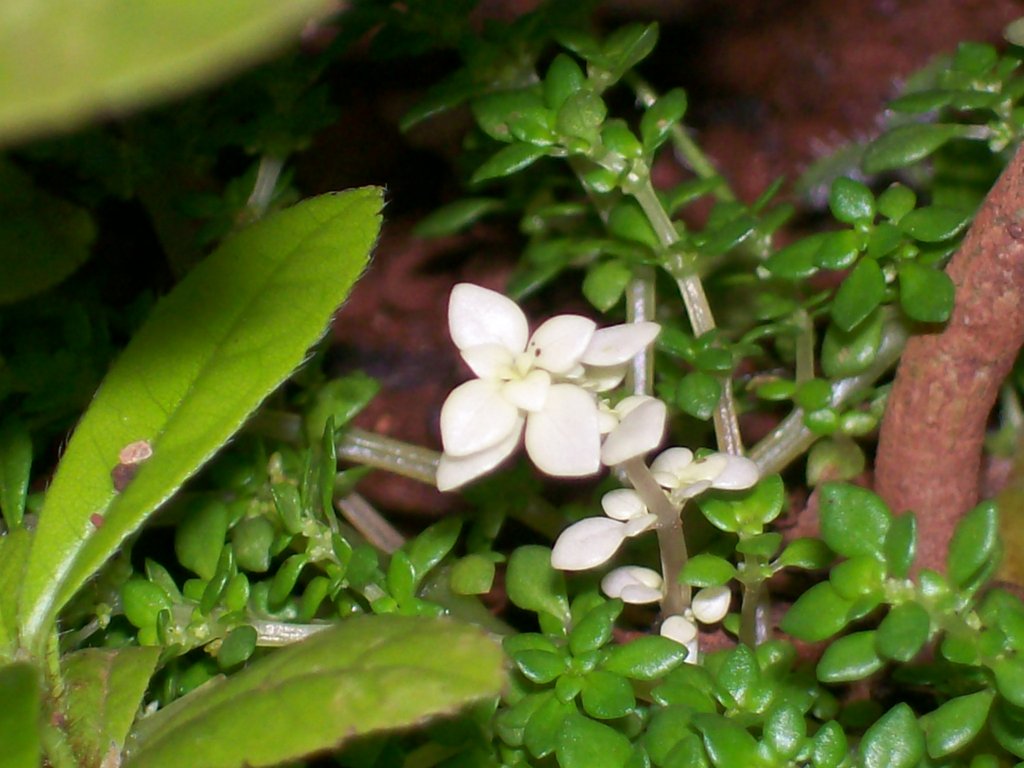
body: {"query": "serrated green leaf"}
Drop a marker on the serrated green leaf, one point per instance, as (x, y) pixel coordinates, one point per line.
(104, 690)
(584, 743)
(66, 63)
(956, 723)
(975, 542)
(227, 336)
(895, 741)
(852, 657)
(364, 675)
(43, 238)
(15, 470)
(907, 144)
(861, 292)
(854, 521)
(926, 293)
(817, 614)
(20, 691)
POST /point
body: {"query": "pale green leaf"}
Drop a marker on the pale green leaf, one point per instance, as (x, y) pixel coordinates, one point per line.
(226, 337)
(104, 688)
(63, 62)
(363, 675)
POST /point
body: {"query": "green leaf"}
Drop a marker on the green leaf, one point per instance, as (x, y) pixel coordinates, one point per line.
(698, 394)
(903, 632)
(564, 78)
(43, 238)
(605, 283)
(729, 745)
(796, 261)
(811, 554)
(472, 575)
(839, 250)
(834, 459)
(926, 293)
(430, 547)
(974, 544)
(852, 657)
(509, 160)
(595, 628)
(606, 695)
(364, 675)
(199, 537)
(785, 730)
(20, 715)
(851, 201)
(849, 353)
(745, 511)
(64, 64)
(628, 46)
(646, 658)
(894, 741)
(222, 340)
(545, 724)
(906, 144)
(739, 675)
(896, 202)
(830, 746)
(15, 470)
(854, 521)
(901, 544)
(1009, 672)
(956, 723)
(706, 570)
(533, 585)
(583, 743)
(861, 292)
(656, 123)
(104, 690)
(456, 216)
(935, 223)
(818, 613)
(14, 549)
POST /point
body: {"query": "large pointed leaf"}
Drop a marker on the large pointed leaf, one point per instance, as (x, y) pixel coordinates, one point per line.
(14, 549)
(64, 61)
(104, 688)
(364, 675)
(19, 716)
(210, 352)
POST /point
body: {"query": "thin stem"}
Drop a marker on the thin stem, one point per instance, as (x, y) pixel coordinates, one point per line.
(671, 541)
(640, 303)
(754, 626)
(370, 523)
(791, 439)
(267, 174)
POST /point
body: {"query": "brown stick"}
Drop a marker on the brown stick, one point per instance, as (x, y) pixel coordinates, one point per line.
(929, 452)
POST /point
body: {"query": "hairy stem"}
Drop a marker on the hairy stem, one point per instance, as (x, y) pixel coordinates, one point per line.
(671, 541)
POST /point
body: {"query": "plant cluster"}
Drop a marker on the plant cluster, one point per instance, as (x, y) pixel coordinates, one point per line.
(195, 564)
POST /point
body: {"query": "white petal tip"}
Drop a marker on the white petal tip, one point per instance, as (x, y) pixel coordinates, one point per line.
(639, 432)
(711, 604)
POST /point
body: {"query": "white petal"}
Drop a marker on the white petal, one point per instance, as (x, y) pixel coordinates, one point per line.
(689, 491)
(455, 471)
(489, 361)
(671, 463)
(587, 544)
(706, 468)
(563, 439)
(633, 584)
(559, 342)
(641, 431)
(711, 605)
(606, 419)
(739, 473)
(619, 343)
(480, 316)
(623, 504)
(475, 417)
(638, 525)
(628, 404)
(680, 629)
(529, 393)
(602, 378)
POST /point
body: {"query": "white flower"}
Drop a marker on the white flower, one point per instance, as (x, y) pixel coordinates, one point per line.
(684, 632)
(593, 541)
(711, 604)
(633, 584)
(537, 384)
(676, 470)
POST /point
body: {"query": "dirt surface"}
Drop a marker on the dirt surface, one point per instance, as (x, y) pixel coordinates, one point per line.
(773, 85)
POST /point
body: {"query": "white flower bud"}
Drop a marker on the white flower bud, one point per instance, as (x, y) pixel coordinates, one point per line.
(711, 604)
(623, 504)
(633, 584)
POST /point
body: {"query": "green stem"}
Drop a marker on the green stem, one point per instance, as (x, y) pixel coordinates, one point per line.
(791, 439)
(671, 541)
(754, 624)
(727, 428)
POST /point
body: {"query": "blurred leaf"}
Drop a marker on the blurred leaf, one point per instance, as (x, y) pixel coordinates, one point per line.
(14, 549)
(847, 353)
(975, 543)
(861, 292)
(43, 238)
(15, 470)
(20, 715)
(227, 335)
(851, 201)
(698, 394)
(907, 144)
(584, 743)
(65, 63)
(605, 283)
(534, 585)
(104, 690)
(935, 223)
(361, 676)
(509, 160)
(456, 216)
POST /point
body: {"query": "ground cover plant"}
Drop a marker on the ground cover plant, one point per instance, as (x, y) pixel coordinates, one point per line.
(711, 464)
